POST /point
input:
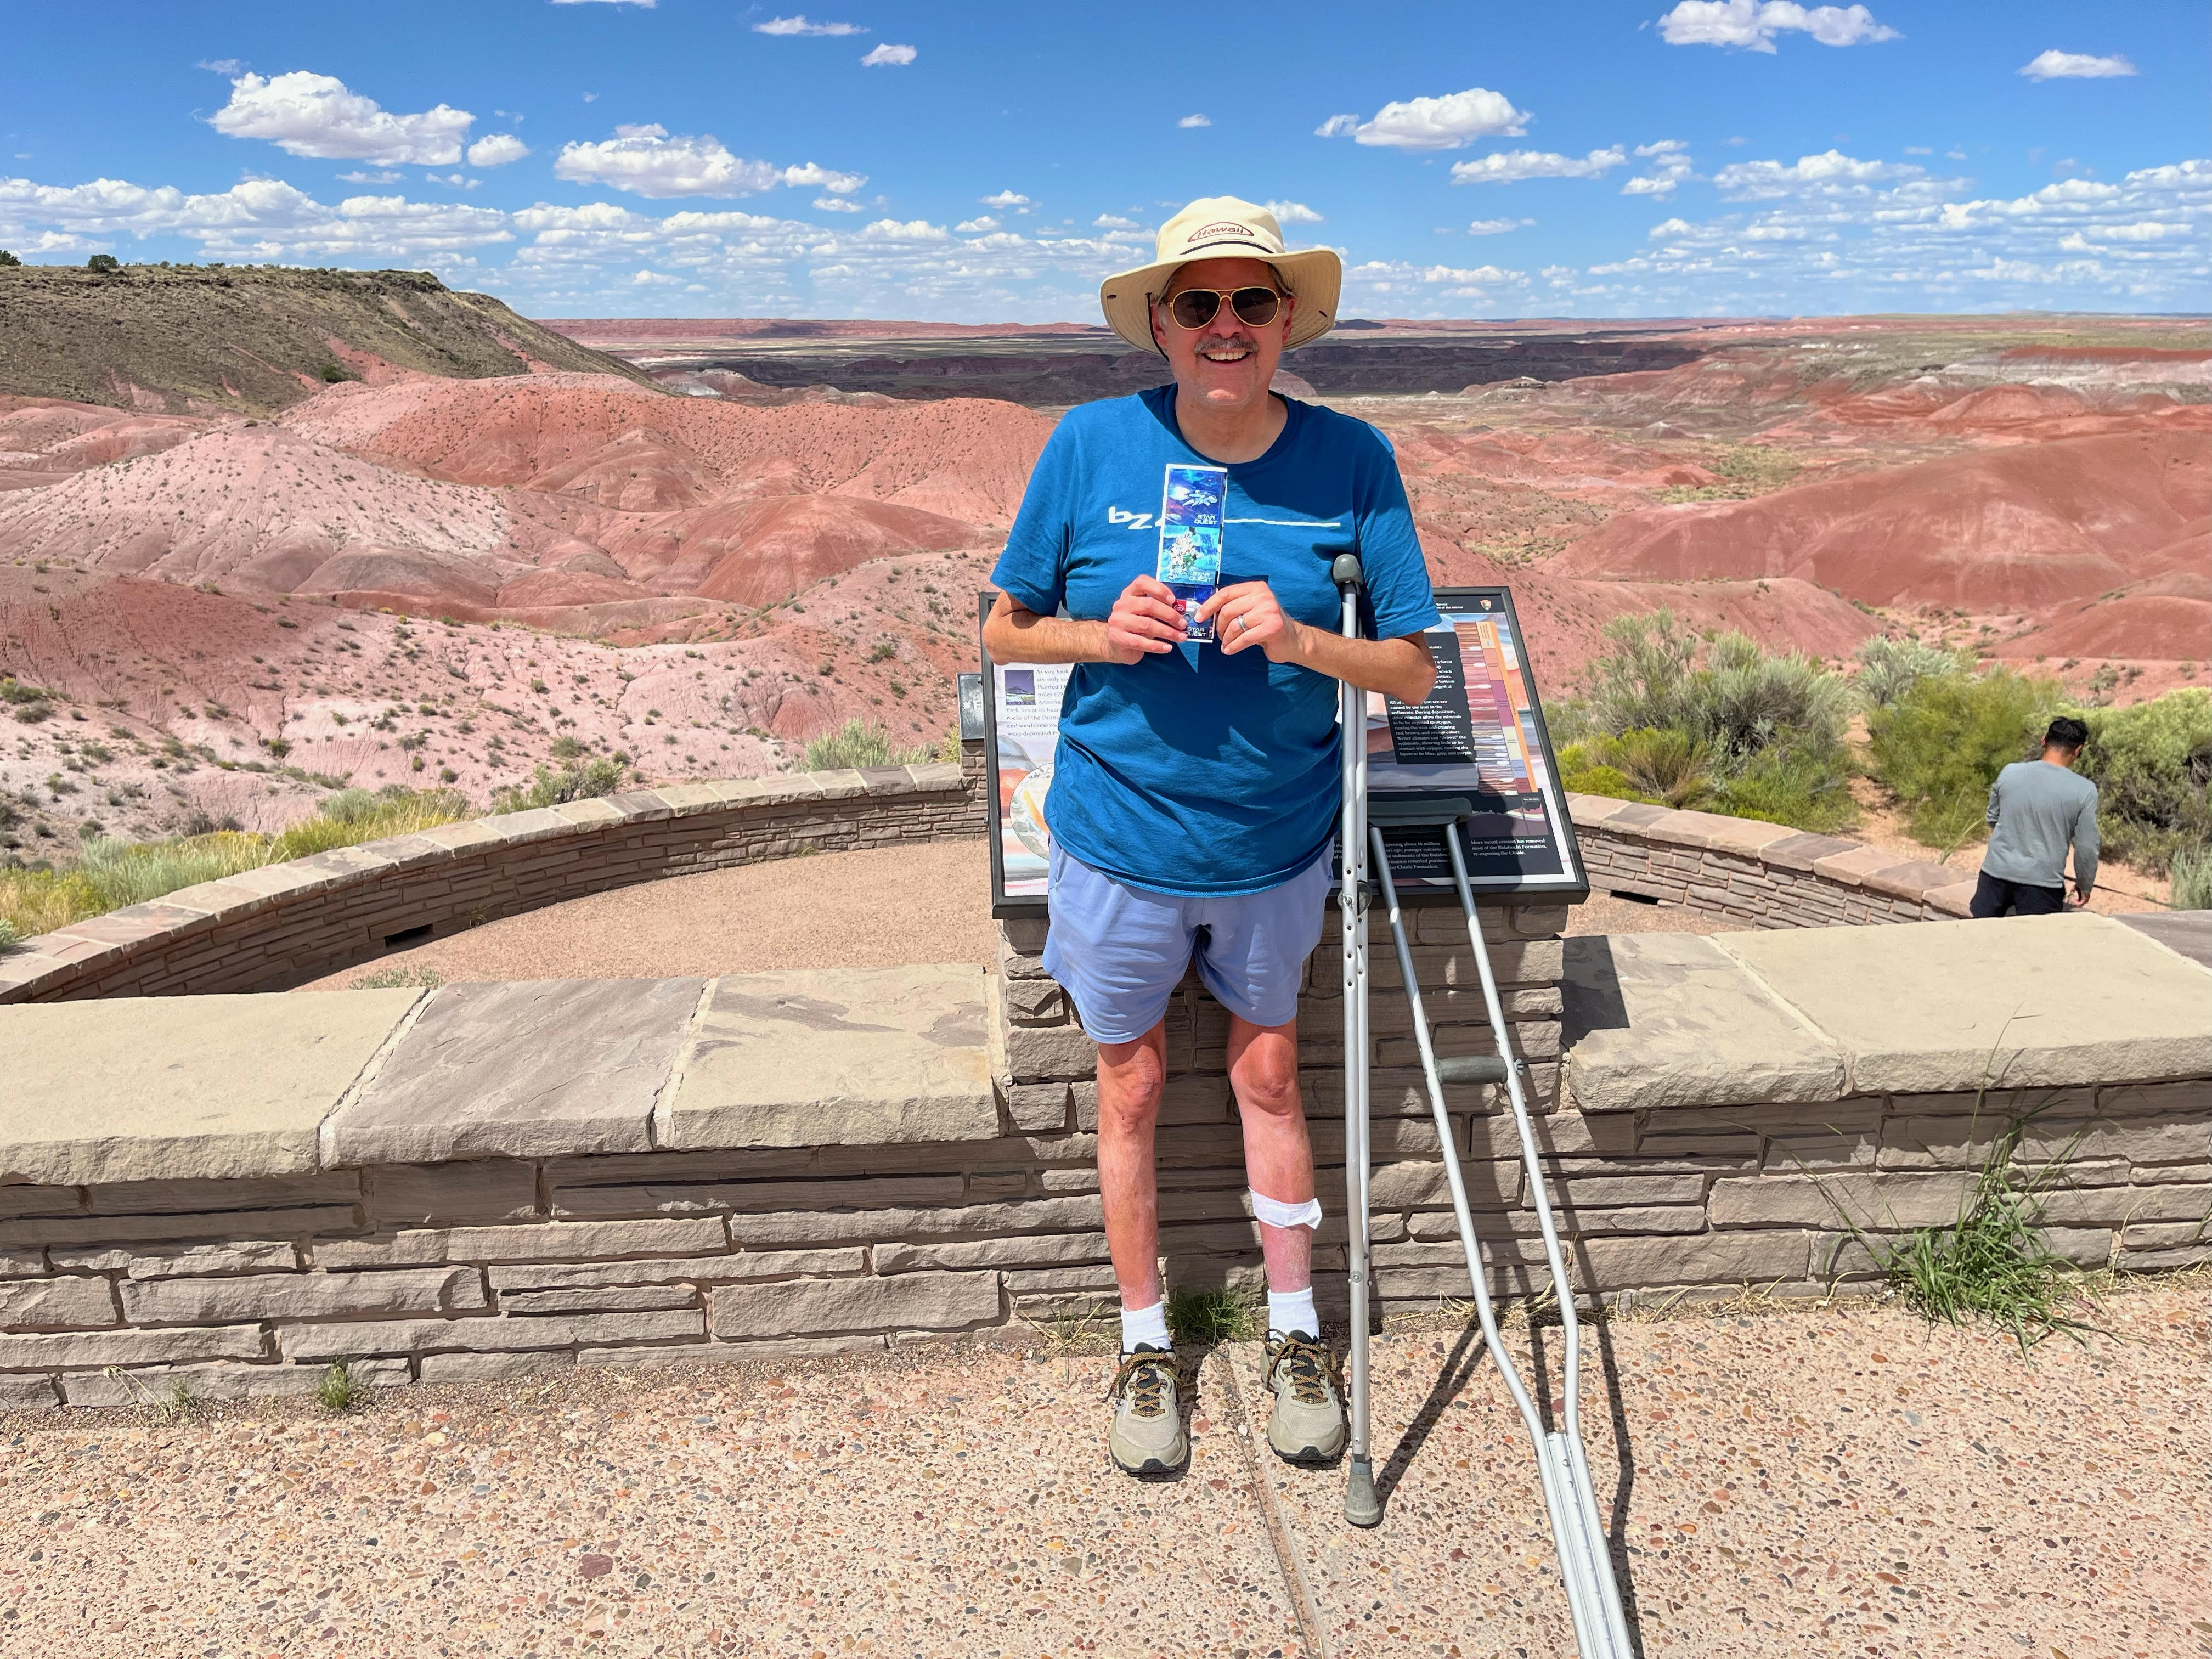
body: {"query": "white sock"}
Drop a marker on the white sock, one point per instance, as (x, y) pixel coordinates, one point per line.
(1292, 1310)
(1148, 1326)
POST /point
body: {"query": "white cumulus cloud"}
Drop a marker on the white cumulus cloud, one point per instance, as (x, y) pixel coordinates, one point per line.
(812, 176)
(1446, 123)
(888, 56)
(1510, 165)
(798, 25)
(1287, 213)
(303, 113)
(1666, 164)
(2075, 66)
(1005, 198)
(836, 204)
(1752, 25)
(1831, 174)
(1194, 121)
(1497, 226)
(981, 222)
(496, 149)
(1107, 221)
(645, 161)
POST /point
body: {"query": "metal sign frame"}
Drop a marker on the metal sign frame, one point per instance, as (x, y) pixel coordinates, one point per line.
(1570, 885)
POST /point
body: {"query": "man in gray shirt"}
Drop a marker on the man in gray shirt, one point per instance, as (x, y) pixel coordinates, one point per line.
(2036, 809)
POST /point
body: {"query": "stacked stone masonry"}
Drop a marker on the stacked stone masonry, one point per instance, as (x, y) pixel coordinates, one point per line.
(226, 1195)
(1764, 875)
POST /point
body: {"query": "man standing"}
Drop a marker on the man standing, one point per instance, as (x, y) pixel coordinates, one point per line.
(1195, 795)
(2036, 808)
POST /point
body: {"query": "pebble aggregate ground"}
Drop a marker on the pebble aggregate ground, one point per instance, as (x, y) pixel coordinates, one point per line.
(1813, 1480)
(881, 908)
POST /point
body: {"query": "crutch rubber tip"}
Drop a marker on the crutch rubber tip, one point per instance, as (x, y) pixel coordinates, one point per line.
(1471, 1068)
(1345, 572)
(1362, 1506)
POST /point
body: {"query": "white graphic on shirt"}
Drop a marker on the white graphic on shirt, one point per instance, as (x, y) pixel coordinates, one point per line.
(1127, 519)
(1293, 524)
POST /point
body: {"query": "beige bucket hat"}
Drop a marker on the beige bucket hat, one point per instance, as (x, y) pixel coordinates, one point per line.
(1224, 227)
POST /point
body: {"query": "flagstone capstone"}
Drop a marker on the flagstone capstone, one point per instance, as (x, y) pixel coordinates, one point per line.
(527, 1069)
(834, 1056)
(167, 1087)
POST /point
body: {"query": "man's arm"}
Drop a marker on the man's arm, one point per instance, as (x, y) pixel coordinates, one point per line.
(2086, 848)
(1247, 614)
(1145, 621)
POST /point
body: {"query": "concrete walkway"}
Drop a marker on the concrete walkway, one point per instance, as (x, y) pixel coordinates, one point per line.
(1807, 1481)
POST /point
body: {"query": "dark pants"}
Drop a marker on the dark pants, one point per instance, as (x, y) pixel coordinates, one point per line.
(1995, 896)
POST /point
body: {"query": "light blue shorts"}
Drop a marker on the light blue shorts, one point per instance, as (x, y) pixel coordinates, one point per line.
(1119, 951)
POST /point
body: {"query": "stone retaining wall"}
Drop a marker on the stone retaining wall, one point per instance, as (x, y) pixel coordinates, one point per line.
(120, 1293)
(226, 1193)
(277, 926)
(1765, 875)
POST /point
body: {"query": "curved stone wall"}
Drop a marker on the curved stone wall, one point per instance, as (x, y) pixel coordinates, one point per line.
(1767, 875)
(276, 926)
(273, 927)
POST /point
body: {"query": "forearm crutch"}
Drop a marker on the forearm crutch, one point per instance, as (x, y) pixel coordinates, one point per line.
(1585, 1563)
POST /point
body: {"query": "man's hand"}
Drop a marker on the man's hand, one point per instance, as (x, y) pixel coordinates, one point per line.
(2079, 902)
(1143, 621)
(1247, 614)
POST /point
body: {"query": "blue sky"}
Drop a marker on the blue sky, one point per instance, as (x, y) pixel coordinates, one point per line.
(978, 162)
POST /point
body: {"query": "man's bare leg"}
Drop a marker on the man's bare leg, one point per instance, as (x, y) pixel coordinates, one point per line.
(1263, 1068)
(1131, 1076)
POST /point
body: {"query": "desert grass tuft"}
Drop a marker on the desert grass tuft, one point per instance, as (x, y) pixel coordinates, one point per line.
(1994, 1261)
(1207, 1318)
(338, 1389)
(398, 979)
(111, 874)
(1092, 1328)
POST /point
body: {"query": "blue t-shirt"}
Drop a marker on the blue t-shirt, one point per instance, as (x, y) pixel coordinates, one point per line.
(1192, 772)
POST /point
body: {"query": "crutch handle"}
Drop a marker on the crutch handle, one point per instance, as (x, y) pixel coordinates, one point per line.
(1472, 1068)
(1345, 571)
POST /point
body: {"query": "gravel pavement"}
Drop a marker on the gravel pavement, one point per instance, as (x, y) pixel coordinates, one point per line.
(883, 908)
(1804, 1481)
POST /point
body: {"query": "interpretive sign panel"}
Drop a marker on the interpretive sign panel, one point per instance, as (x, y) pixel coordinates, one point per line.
(1480, 736)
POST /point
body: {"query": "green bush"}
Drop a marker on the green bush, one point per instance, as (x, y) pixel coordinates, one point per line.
(862, 743)
(2192, 879)
(103, 262)
(2152, 764)
(1786, 785)
(1582, 771)
(1668, 765)
(1889, 668)
(110, 874)
(8, 258)
(594, 778)
(1715, 721)
(1942, 744)
(1726, 692)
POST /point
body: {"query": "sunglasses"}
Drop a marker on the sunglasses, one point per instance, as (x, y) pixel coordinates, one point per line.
(1194, 307)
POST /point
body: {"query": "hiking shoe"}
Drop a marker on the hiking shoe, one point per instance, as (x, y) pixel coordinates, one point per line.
(1148, 1439)
(1307, 1426)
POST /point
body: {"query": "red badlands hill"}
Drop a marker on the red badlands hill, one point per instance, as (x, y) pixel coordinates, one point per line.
(2016, 529)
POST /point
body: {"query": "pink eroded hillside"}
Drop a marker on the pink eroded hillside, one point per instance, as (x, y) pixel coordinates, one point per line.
(560, 500)
(604, 440)
(44, 440)
(2020, 528)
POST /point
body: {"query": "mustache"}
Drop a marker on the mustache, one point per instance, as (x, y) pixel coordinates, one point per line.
(1238, 341)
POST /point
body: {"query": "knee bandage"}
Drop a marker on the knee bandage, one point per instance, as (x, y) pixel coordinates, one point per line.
(1276, 1213)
